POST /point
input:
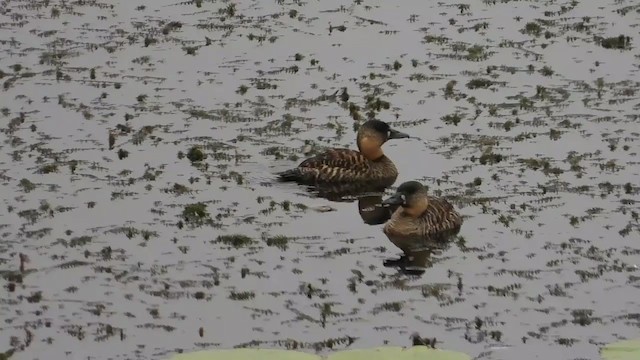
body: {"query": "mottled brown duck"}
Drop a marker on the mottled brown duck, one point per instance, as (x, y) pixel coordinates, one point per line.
(420, 218)
(369, 165)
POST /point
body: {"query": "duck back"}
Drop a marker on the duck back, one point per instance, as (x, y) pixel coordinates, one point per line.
(340, 166)
(437, 223)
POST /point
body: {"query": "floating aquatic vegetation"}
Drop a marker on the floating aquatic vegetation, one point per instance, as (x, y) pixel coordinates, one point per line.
(279, 241)
(235, 240)
(242, 296)
(452, 119)
(195, 154)
(532, 28)
(620, 42)
(195, 213)
(479, 83)
(27, 186)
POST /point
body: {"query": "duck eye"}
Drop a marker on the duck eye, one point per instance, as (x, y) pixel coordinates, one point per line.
(404, 198)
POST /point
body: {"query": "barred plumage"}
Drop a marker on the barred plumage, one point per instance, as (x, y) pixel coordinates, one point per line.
(420, 218)
(342, 165)
(334, 166)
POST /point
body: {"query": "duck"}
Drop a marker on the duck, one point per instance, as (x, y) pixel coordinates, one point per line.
(419, 218)
(369, 165)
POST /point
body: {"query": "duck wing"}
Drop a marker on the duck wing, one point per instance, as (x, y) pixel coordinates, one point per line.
(333, 165)
(338, 158)
(440, 217)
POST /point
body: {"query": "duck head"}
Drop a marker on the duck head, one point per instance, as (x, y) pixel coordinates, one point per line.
(411, 195)
(373, 134)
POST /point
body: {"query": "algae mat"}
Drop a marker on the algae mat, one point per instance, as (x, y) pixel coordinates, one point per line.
(622, 350)
(381, 353)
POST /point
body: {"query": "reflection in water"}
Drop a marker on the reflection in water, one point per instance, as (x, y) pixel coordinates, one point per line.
(417, 250)
(369, 198)
(416, 259)
(347, 192)
(372, 211)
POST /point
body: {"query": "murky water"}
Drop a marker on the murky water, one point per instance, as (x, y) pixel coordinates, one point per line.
(524, 112)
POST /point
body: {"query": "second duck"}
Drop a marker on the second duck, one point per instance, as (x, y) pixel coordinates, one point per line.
(419, 217)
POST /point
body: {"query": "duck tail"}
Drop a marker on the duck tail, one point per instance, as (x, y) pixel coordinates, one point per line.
(290, 175)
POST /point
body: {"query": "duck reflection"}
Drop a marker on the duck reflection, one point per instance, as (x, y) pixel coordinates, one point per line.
(417, 258)
(372, 211)
(369, 199)
(346, 192)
